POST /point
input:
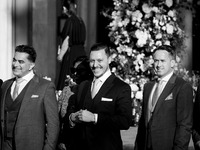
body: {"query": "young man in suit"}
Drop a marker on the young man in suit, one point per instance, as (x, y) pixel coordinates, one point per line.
(166, 119)
(101, 107)
(29, 111)
(196, 123)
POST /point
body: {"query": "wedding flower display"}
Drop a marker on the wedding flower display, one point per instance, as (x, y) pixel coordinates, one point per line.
(137, 27)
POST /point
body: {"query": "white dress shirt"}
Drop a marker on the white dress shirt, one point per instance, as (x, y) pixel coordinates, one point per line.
(26, 79)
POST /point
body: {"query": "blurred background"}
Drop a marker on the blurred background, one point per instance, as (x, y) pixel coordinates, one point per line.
(39, 23)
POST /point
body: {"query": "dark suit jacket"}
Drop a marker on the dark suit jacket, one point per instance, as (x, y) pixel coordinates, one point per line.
(37, 125)
(113, 106)
(196, 124)
(0, 86)
(171, 121)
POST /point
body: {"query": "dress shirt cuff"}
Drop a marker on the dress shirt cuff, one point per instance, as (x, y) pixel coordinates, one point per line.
(71, 123)
(95, 118)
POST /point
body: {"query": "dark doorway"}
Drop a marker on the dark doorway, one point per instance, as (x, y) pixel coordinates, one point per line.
(102, 21)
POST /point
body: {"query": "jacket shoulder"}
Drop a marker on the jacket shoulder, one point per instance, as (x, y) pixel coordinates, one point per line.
(181, 81)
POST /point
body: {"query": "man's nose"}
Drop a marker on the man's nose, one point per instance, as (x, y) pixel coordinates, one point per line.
(159, 63)
(15, 63)
(95, 63)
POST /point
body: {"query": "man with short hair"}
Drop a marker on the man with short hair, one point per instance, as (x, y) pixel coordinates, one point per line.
(101, 107)
(167, 109)
(28, 107)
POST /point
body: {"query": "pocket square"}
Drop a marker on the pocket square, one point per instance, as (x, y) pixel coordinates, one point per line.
(34, 96)
(106, 99)
(170, 96)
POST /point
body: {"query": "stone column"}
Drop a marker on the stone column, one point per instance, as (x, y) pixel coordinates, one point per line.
(43, 37)
(87, 9)
(6, 42)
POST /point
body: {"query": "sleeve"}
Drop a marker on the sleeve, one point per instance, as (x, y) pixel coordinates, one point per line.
(184, 117)
(52, 118)
(74, 28)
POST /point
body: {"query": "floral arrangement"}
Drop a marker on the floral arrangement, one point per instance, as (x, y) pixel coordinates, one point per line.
(64, 95)
(136, 29)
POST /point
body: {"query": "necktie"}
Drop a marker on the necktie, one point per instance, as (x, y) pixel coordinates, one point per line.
(157, 92)
(16, 89)
(95, 87)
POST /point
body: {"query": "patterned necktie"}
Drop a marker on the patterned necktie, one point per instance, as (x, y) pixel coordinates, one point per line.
(16, 89)
(156, 93)
(95, 87)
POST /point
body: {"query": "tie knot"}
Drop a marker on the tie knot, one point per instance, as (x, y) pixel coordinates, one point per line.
(19, 80)
(96, 81)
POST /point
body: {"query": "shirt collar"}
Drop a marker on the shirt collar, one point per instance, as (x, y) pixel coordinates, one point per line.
(167, 77)
(28, 76)
(104, 76)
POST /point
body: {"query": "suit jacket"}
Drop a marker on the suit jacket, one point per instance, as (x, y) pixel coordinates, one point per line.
(112, 104)
(169, 127)
(37, 125)
(0, 86)
(196, 124)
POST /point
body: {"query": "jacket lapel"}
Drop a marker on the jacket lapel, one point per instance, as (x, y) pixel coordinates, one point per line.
(146, 99)
(104, 88)
(166, 91)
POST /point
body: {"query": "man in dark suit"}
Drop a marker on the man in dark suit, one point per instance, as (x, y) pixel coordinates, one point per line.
(101, 107)
(0, 86)
(196, 123)
(166, 119)
(29, 111)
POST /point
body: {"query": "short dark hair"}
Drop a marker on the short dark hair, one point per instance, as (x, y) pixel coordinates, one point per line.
(29, 50)
(100, 46)
(167, 48)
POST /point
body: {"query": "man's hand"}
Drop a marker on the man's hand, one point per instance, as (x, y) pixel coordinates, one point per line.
(75, 117)
(86, 116)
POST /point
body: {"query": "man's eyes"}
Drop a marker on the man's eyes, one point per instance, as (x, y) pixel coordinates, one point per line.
(92, 61)
(20, 61)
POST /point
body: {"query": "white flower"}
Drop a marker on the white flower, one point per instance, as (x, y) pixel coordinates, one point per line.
(129, 51)
(171, 13)
(158, 43)
(125, 1)
(125, 22)
(113, 69)
(146, 8)
(155, 9)
(161, 23)
(169, 28)
(138, 95)
(134, 87)
(136, 16)
(169, 3)
(142, 37)
(159, 36)
(119, 24)
(167, 42)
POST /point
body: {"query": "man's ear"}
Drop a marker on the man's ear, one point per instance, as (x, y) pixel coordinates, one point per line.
(32, 66)
(173, 62)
